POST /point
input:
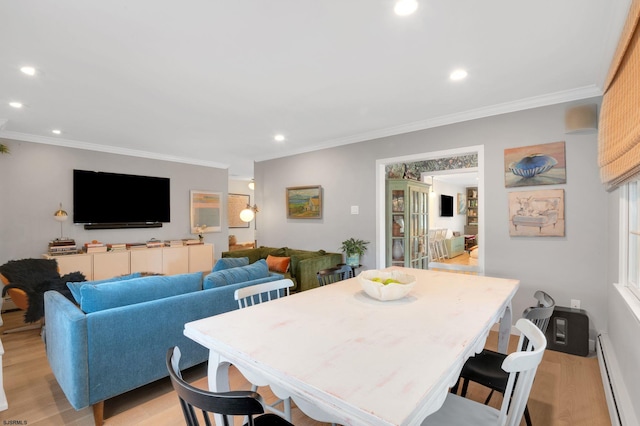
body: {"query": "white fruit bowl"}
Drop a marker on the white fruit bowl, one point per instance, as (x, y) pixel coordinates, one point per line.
(385, 292)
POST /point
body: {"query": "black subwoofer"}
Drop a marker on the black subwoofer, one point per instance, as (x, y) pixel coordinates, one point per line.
(568, 331)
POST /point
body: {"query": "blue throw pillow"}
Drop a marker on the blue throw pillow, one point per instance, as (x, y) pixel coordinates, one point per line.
(240, 274)
(230, 262)
(74, 287)
(123, 293)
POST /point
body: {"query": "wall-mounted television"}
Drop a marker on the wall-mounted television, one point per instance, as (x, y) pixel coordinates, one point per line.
(446, 205)
(104, 200)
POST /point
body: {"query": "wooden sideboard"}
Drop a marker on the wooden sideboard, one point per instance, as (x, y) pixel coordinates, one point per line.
(162, 260)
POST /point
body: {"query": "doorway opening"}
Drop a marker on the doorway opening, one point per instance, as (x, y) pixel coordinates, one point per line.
(451, 181)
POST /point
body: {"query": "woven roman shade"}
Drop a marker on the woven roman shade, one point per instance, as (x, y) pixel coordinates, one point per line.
(619, 129)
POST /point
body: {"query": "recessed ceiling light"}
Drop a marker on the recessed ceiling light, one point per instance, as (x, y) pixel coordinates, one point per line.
(279, 138)
(56, 131)
(458, 74)
(405, 7)
(15, 104)
(28, 70)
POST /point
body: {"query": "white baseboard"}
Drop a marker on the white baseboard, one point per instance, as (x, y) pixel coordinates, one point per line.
(621, 408)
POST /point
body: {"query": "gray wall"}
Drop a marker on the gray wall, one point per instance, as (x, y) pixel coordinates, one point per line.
(569, 267)
(35, 178)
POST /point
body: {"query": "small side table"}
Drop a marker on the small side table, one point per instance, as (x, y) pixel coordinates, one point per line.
(470, 241)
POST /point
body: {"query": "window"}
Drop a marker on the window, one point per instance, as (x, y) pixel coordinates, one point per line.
(630, 236)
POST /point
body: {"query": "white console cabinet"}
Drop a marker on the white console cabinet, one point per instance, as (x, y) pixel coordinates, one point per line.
(165, 260)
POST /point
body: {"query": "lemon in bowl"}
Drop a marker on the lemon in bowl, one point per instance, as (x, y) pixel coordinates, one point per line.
(386, 285)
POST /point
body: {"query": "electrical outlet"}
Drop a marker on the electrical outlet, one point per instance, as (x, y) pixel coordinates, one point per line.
(575, 304)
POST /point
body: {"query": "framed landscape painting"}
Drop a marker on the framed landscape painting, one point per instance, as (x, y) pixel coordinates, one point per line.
(304, 202)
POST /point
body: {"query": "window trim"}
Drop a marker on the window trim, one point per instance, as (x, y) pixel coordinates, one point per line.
(633, 289)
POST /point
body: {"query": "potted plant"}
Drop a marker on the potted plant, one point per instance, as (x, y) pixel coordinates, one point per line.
(354, 248)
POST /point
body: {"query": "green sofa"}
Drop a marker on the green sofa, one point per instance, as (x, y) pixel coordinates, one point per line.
(303, 266)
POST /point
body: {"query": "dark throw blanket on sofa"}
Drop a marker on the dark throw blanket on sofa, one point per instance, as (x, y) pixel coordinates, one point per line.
(35, 276)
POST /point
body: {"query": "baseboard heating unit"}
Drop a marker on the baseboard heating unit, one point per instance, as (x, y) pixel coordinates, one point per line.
(621, 410)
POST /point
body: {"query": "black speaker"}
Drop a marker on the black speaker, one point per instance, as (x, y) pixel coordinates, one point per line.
(568, 331)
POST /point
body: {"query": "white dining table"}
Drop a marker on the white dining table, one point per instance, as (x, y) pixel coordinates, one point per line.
(346, 358)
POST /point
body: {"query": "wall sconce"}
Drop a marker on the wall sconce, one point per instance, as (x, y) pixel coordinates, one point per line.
(581, 119)
(61, 216)
(252, 184)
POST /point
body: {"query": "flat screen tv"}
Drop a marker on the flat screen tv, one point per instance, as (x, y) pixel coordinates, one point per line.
(446, 205)
(113, 200)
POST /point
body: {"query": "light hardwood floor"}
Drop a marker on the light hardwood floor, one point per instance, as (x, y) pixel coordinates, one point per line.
(567, 390)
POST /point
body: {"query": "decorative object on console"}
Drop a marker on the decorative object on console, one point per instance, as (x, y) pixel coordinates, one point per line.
(304, 202)
(61, 216)
(206, 211)
(353, 249)
(537, 213)
(533, 165)
(60, 247)
(199, 230)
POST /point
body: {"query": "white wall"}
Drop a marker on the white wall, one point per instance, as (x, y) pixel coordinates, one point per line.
(455, 223)
(569, 267)
(35, 178)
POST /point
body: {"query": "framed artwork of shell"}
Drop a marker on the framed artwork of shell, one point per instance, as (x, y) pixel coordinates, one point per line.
(533, 165)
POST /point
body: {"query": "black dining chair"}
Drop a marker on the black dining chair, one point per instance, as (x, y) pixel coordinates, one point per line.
(335, 274)
(486, 367)
(233, 403)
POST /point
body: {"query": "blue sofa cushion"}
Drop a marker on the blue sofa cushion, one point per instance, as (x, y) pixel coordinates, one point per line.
(136, 290)
(74, 287)
(230, 262)
(236, 275)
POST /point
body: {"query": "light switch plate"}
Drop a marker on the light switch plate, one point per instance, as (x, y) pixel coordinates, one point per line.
(355, 210)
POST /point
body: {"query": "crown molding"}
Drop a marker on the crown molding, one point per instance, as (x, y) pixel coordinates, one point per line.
(473, 114)
(69, 143)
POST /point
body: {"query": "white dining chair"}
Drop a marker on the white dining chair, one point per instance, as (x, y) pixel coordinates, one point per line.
(255, 294)
(260, 293)
(459, 411)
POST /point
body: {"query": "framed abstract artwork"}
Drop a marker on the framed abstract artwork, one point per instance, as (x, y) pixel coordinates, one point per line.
(462, 204)
(206, 212)
(304, 202)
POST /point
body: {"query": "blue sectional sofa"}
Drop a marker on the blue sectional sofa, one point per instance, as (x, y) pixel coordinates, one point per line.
(116, 337)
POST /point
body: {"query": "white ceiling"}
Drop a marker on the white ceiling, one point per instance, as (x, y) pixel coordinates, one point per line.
(211, 82)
